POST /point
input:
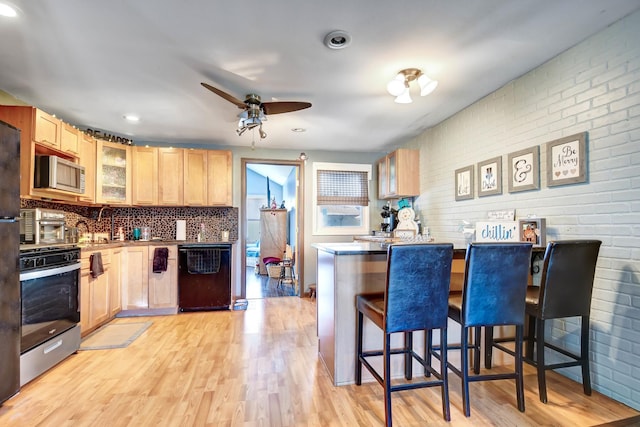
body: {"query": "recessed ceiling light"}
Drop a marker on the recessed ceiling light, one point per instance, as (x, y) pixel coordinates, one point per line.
(298, 130)
(131, 118)
(6, 10)
(337, 39)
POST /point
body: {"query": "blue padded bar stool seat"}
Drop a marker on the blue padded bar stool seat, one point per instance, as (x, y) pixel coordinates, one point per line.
(566, 285)
(415, 299)
(493, 294)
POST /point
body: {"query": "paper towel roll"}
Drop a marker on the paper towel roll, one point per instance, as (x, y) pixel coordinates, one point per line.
(181, 229)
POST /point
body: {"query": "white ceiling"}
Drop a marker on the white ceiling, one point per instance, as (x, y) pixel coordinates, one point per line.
(92, 61)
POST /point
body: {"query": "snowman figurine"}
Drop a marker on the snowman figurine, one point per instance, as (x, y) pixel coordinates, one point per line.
(407, 227)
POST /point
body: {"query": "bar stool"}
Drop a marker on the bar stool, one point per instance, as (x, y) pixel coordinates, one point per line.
(565, 290)
(415, 298)
(493, 294)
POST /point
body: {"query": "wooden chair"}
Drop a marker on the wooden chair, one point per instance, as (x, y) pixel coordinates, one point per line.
(415, 299)
(493, 294)
(565, 291)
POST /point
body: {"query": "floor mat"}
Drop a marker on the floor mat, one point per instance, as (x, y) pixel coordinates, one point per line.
(114, 335)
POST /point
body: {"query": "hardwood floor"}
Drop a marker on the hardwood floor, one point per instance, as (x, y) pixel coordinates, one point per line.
(260, 367)
(262, 286)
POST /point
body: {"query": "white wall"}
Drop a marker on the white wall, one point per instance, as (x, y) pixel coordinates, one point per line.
(594, 87)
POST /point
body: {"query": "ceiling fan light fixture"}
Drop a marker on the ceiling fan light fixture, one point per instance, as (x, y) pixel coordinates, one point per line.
(262, 133)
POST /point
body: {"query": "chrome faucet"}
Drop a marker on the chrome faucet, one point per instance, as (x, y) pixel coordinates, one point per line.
(100, 213)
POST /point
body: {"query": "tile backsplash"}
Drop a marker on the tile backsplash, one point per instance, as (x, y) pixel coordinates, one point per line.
(161, 220)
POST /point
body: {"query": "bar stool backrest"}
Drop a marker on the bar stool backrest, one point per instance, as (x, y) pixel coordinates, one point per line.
(567, 277)
(417, 288)
(495, 283)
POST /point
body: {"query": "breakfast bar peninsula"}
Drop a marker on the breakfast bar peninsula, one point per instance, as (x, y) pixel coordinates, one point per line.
(345, 270)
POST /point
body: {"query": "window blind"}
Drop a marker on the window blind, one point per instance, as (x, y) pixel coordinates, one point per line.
(342, 188)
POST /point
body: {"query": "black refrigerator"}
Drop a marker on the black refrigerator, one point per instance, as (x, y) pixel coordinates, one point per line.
(9, 261)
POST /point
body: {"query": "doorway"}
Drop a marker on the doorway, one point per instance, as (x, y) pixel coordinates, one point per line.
(262, 182)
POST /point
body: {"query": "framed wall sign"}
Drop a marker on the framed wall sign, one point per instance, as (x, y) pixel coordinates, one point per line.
(524, 169)
(566, 160)
(464, 183)
(490, 177)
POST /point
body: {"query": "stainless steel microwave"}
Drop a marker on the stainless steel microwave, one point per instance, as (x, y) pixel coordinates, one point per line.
(57, 173)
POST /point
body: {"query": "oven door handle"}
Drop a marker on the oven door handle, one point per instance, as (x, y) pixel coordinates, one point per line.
(38, 274)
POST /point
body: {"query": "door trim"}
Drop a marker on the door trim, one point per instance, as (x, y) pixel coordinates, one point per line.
(299, 219)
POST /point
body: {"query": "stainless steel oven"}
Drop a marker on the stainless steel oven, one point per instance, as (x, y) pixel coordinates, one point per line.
(50, 286)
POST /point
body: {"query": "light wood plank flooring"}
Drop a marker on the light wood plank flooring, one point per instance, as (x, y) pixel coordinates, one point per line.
(263, 286)
(259, 367)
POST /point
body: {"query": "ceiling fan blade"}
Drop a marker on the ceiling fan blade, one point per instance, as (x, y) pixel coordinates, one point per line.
(278, 107)
(225, 95)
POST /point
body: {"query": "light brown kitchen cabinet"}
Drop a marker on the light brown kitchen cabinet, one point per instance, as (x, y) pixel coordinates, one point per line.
(70, 140)
(135, 278)
(273, 235)
(115, 282)
(219, 177)
(88, 160)
(39, 134)
(163, 286)
(144, 175)
(95, 292)
(195, 177)
(46, 129)
(170, 176)
(399, 174)
(113, 173)
(142, 289)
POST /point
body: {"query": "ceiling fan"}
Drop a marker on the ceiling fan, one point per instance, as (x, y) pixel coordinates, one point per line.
(255, 111)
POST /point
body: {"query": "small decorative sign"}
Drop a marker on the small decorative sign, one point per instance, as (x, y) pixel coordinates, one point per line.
(506, 214)
(497, 231)
(105, 136)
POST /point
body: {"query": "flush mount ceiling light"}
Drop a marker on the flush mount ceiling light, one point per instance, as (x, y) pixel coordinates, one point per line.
(8, 11)
(337, 39)
(131, 118)
(399, 86)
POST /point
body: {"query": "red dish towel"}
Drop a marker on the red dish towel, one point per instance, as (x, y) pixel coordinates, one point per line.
(95, 264)
(160, 256)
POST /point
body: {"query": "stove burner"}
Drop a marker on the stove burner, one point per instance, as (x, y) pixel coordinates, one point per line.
(33, 258)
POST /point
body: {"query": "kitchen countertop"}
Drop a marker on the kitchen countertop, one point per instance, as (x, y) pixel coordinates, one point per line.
(361, 248)
(366, 247)
(127, 243)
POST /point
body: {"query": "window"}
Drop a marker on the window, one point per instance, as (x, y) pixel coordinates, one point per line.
(341, 198)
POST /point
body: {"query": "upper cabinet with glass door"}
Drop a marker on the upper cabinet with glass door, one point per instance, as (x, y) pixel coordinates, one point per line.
(399, 174)
(113, 173)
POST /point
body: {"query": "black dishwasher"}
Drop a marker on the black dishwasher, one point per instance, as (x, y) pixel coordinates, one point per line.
(204, 277)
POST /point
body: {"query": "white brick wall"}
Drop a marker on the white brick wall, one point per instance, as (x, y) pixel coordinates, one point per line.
(594, 87)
